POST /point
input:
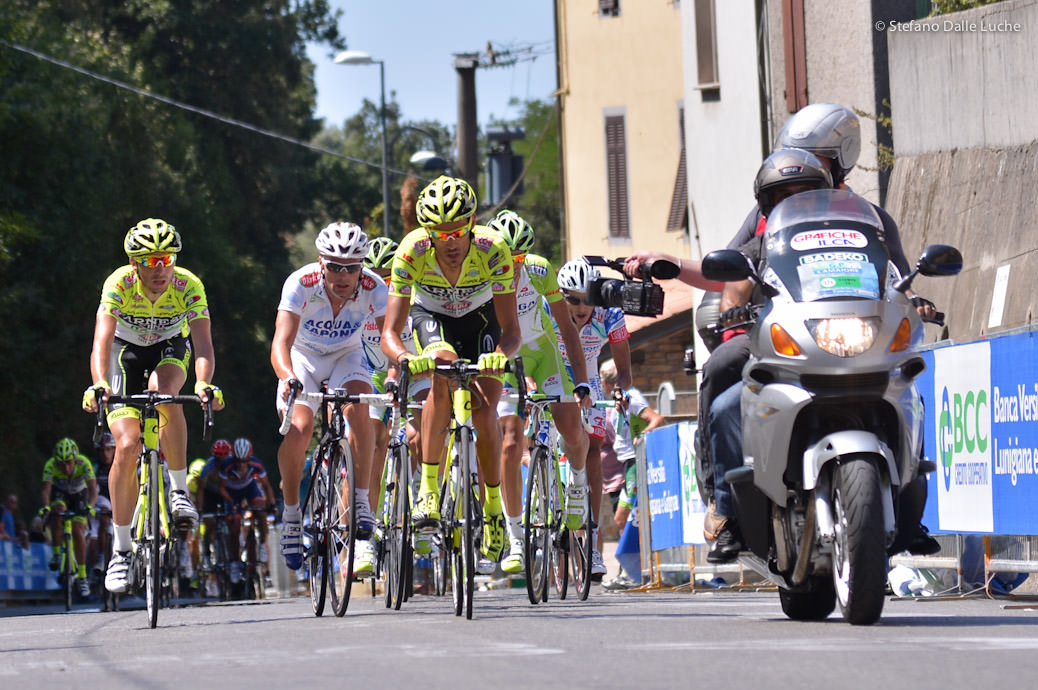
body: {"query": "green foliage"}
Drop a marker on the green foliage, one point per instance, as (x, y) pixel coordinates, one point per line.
(84, 160)
(885, 154)
(949, 6)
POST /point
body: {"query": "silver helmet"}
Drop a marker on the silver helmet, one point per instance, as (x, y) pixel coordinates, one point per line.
(826, 130)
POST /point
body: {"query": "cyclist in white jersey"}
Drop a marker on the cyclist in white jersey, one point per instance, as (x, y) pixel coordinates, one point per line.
(317, 337)
(597, 326)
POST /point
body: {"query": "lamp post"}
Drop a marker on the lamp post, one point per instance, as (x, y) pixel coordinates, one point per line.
(358, 57)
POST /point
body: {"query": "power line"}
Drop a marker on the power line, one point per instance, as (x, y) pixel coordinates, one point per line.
(198, 111)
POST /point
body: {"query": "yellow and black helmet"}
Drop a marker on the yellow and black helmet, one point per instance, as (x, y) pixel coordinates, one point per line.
(444, 200)
(151, 236)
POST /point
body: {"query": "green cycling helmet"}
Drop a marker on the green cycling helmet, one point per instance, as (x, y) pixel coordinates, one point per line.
(380, 253)
(514, 229)
(66, 450)
(444, 200)
(152, 236)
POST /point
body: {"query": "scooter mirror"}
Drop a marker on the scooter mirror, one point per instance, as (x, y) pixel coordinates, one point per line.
(726, 266)
(940, 260)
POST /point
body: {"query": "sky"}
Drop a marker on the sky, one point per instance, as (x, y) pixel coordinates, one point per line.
(417, 39)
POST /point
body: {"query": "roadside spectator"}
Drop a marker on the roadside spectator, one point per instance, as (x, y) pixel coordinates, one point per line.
(9, 511)
(36, 533)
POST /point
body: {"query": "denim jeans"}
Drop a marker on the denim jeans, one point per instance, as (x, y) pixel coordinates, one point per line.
(726, 444)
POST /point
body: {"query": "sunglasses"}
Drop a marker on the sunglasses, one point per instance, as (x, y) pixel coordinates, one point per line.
(165, 260)
(458, 233)
(339, 268)
(573, 300)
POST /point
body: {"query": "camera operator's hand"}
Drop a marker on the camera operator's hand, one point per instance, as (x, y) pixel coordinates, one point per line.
(623, 400)
(633, 264)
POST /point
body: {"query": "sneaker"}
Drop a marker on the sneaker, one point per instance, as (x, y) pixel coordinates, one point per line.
(292, 544)
(728, 544)
(576, 506)
(365, 521)
(619, 583)
(117, 580)
(426, 520)
(485, 566)
(364, 558)
(84, 587)
(182, 508)
(263, 553)
(516, 559)
(923, 544)
(494, 533)
(597, 564)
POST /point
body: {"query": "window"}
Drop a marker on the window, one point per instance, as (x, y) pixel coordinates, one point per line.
(706, 45)
(796, 54)
(616, 177)
(678, 217)
(608, 8)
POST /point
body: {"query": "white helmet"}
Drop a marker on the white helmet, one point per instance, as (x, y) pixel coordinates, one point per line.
(576, 275)
(342, 241)
(826, 130)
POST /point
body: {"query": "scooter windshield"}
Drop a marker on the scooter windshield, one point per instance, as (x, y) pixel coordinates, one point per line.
(826, 244)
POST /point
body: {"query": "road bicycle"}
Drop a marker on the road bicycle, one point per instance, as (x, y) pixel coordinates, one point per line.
(214, 559)
(461, 513)
(152, 530)
(330, 532)
(394, 550)
(68, 566)
(254, 572)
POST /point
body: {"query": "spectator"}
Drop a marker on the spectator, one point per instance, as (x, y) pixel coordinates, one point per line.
(36, 533)
(9, 511)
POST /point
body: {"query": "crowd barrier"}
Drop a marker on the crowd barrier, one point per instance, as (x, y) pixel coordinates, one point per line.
(25, 571)
(981, 408)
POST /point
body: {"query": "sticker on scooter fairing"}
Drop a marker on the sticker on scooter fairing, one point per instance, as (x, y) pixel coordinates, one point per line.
(824, 239)
(838, 279)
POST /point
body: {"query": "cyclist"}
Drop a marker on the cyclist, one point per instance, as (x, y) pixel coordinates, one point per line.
(380, 260)
(243, 482)
(536, 286)
(317, 337)
(153, 315)
(69, 485)
(101, 525)
(597, 326)
(455, 279)
(208, 499)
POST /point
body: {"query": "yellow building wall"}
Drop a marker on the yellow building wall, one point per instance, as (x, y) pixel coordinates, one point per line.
(631, 64)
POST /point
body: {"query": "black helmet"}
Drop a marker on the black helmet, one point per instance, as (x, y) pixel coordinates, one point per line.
(788, 167)
(826, 130)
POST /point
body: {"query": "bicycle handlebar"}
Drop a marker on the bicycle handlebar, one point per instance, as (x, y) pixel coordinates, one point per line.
(152, 399)
(339, 396)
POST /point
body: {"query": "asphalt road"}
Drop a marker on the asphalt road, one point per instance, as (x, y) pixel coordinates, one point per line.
(710, 639)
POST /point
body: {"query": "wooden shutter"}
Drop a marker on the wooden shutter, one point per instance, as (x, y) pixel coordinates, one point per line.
(796, 54)
(677, 219)
(616, 176)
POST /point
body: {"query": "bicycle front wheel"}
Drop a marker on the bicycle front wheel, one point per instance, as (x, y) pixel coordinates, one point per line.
(580, 556)
(398, 524)
(340, 526)
(536, 528)
(68, 564)
(314, 533)
(469, 521)
(152, 566)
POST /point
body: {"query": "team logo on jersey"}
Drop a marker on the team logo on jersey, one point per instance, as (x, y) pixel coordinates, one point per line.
(310, 279)
(537, 270)
(194, 298)
(484, 243)
(179, 284)
(367, 283)
(402, 274)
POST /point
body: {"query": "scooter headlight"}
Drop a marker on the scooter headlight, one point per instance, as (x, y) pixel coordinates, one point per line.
(844, 337)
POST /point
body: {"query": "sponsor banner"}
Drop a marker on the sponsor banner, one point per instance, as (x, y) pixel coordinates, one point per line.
(664, 487)
(693, 510)
(982, 432)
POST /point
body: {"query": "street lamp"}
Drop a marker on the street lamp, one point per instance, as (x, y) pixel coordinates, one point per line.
(359, 57)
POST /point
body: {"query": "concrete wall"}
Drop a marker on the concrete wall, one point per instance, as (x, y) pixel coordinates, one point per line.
(629, 64)
(723, 142)
(965, 111)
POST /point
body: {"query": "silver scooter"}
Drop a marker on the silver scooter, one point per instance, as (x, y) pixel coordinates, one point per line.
(832, 423)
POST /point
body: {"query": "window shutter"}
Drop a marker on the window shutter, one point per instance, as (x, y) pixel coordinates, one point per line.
(796, 54)
(616, 175)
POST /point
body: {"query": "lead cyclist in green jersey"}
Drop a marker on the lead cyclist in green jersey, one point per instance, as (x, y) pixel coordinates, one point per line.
(455, 278)
(149, 309)
(537, 291)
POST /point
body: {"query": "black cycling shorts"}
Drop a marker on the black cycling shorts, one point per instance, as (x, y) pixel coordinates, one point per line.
(130, 364)
(467, 336)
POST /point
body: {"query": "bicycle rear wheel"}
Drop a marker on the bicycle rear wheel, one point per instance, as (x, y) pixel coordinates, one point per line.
(313, 529)
(398, 524)
(536, 529)
(560, 537)
(340, 526)
(152, 566)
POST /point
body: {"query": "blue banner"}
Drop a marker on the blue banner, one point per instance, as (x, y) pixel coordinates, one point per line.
(22, 569)
(664, 486)
(982, 431)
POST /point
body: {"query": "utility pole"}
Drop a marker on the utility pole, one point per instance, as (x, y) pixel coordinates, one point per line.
(468, 156)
